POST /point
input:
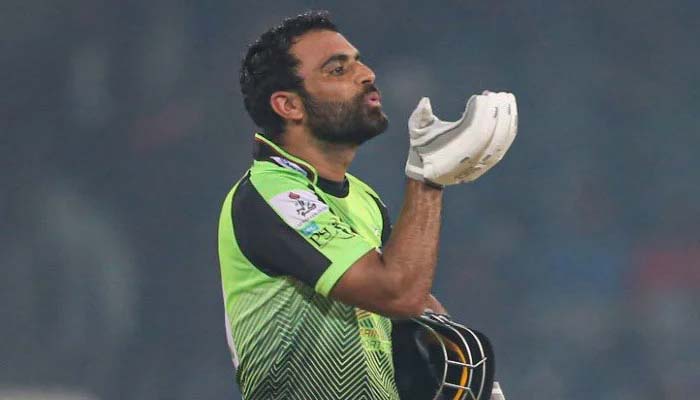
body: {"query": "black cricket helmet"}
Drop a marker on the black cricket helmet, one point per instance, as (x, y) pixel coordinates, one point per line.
(436, 358)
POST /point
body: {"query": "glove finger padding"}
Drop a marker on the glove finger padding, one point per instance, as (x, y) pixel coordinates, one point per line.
(420, 118)
(506, 129)
(425, 130)
(448, 153)
(457, 151)
(424, 127)
(418, 128)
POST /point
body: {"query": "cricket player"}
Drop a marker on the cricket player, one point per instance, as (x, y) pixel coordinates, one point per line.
(311, 268)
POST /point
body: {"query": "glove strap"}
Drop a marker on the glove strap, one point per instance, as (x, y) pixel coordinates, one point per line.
(432, 184)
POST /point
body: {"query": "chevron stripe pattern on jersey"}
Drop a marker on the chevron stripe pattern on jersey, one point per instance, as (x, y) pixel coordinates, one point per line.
(295, 344)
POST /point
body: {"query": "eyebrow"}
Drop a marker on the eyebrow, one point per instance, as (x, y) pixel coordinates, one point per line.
(339, 57)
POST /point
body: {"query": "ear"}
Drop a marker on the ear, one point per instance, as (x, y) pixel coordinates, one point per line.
(287, 105)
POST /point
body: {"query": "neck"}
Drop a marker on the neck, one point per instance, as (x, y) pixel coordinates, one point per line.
(331, 160)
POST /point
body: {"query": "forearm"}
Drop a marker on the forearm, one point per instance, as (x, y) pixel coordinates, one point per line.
(410, 256)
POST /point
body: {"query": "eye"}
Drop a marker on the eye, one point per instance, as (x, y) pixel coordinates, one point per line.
(338, 70)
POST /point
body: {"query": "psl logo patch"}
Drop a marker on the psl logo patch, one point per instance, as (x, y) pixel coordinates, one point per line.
(297, 207)
(304, 207)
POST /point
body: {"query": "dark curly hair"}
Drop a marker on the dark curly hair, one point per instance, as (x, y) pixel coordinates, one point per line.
(268, 66)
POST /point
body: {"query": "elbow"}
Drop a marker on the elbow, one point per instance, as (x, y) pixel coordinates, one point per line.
(413, 311)
(416, 307)
(403, 299)
(406, 306)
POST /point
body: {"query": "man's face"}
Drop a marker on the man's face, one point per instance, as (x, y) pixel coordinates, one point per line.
(341, 103)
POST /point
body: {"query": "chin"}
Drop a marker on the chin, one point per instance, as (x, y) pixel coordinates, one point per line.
(376, 117)
(377, 128)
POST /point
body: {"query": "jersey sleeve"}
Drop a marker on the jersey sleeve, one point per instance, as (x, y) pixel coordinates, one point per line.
(284, 227)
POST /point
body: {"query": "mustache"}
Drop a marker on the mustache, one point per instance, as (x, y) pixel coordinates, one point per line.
(369, 88)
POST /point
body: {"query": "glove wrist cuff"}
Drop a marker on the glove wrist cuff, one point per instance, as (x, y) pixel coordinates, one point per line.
(432, 184)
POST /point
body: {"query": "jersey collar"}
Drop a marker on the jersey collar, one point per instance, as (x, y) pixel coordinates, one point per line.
(266, 150)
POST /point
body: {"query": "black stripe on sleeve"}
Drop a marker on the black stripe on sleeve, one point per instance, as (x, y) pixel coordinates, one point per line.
(268, 242)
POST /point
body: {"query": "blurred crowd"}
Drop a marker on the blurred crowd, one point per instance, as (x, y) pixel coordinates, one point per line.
(123, 128)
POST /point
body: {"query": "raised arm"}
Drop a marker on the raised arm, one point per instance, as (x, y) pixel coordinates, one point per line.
(397, 282)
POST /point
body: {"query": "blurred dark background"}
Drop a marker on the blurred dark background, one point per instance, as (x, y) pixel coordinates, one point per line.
(122, 129)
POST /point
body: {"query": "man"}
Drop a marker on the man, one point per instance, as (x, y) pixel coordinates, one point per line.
(311, 268)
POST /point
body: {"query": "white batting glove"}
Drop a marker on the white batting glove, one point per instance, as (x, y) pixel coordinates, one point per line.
(448, 153)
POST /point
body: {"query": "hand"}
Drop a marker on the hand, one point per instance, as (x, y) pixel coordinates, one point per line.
(448, 153)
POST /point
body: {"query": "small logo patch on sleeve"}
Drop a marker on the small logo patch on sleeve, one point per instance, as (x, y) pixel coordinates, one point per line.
(297, 207)
(309, 228)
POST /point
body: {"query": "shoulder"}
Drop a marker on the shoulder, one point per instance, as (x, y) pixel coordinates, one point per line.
(274, 194)
(263, 187)
(269, 178)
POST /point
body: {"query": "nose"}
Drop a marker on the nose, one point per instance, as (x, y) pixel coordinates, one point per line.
(365, 74)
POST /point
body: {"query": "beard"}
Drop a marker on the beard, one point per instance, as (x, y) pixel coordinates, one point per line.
(344, 122)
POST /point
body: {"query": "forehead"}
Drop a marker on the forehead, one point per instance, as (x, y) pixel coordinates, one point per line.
(313, 48)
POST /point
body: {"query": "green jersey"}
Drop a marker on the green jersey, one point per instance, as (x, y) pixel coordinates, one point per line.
(286, 236)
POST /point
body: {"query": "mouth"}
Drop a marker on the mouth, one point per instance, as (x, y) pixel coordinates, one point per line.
(374, 99)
